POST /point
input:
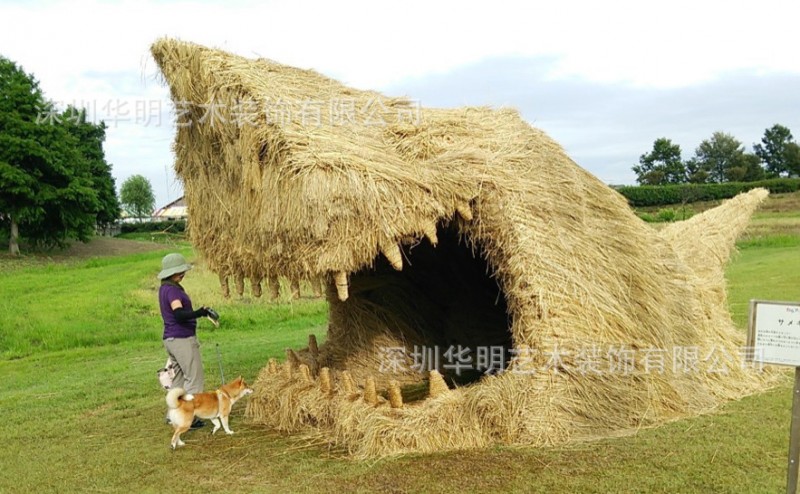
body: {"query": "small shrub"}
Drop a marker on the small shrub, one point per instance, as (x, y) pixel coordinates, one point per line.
(649, 218)
(666, 215)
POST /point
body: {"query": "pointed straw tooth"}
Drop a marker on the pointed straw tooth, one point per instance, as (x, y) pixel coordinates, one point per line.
(393, 253)
(292, 358)
(395, 396)
(239, 279)
(305, 373)
(347, 383)
(429, 230)
(223, 283)
(370, 394)
(325, 380)
(465, 211)
(342, 288)
(437, 385)
(287, 370)
(255, 287)
(274, 287)
(295, 284)
(317, 286)
(312, 346)
(272, 366)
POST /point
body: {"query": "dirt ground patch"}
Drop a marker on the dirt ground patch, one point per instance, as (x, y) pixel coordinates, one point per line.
(106, 246)
(97, 247)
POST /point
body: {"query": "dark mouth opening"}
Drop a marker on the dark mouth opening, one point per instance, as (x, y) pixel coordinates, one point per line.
(446, 303)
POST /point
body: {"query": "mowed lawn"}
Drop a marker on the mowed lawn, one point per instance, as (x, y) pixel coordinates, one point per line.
(80, 344)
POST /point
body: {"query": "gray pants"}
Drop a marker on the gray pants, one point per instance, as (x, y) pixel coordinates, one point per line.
(186, 352)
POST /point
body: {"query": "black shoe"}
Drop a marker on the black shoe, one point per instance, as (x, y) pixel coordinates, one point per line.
(197, 424)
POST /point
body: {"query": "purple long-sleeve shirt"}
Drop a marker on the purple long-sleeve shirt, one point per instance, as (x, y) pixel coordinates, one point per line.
(172, 328)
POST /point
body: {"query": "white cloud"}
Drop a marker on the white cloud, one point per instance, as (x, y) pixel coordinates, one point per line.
(93, 50)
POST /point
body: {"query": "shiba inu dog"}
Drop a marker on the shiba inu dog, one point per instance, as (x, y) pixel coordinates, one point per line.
(214, 405)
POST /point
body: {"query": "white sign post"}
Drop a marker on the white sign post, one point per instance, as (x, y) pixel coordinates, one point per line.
(774, 336)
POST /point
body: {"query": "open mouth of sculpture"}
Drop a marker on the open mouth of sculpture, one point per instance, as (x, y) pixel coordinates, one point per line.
(444, 310)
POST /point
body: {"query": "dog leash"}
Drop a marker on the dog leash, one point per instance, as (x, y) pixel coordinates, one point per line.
(219, 359)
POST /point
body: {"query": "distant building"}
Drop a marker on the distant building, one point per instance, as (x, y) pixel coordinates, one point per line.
(176, 210)
(128, 217)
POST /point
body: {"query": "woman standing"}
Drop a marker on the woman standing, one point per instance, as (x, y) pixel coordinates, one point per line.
(180, 326)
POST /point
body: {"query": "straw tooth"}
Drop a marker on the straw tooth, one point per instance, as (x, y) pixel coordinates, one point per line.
(325, 380)
(464, 210)
(342, 288)
(437, 385)
(347, 383)
(274, 287)
(370, 394)
(429, 230)
(395, 396)
(255, 287)
(223, 283)
(392, 252)
(239, 279)
(287, 369)
(317, 286)
(295, 284)
(272, 366)
(305, 373)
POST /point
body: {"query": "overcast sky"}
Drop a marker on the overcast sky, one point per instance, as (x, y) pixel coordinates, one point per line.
(605, 79)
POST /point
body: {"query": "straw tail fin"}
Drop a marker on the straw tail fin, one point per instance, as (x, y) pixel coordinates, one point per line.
(705, 242)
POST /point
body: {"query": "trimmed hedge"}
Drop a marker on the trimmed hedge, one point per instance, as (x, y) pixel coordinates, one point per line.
(665, 195)
(178, 226)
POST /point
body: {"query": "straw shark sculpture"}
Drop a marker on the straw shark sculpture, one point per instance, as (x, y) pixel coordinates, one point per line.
(483, 288)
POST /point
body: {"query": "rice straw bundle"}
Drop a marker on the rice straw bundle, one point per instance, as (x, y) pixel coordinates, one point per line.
(325, 381)
(370, 394)
(395, 396)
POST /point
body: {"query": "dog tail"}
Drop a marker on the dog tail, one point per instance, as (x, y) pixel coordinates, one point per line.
(175, 395)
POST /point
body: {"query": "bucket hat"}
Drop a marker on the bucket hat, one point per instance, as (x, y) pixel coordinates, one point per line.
(173, 264)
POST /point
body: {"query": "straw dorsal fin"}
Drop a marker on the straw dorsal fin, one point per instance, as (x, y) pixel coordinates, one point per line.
(705, 242)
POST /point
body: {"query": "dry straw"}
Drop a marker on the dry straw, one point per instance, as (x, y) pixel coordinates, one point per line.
(395, 395)
(445, 227)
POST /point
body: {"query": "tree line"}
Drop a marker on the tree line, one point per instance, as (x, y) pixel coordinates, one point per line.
(721, 158)
(55, 182)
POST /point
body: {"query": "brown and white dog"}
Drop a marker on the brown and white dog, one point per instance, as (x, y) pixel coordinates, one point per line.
(215, 405)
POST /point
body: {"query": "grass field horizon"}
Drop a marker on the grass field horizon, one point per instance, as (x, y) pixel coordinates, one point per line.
(80, 345)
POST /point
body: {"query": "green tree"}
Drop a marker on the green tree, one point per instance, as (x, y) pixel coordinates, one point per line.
(724, 159)
(90, 137)
(792, 155)
(46, 189)
(22, 157)
(663, 165)
(774, 150)
(137, 196)
(748, 169)
(695, 172)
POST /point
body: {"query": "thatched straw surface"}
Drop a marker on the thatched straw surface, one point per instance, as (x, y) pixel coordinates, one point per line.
(460, 227)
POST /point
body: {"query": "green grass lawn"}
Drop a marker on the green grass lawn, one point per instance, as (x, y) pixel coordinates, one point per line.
(83, 412)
